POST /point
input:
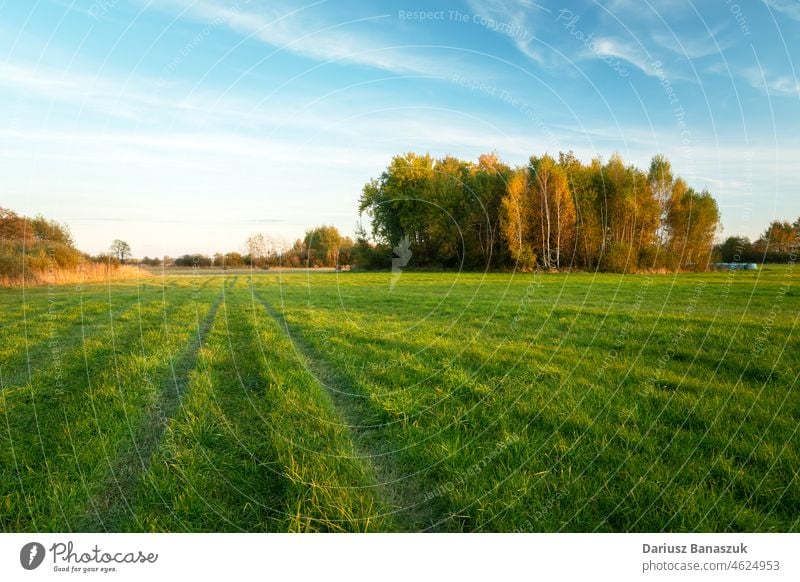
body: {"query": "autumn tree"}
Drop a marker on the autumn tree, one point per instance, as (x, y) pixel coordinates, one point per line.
(517, 222)
(692, 222)
(553, 210)
(613, 216)
(630, 216)
(233, 260)
(486, 186)
(779, 237)
(584, 183)
(661, 181)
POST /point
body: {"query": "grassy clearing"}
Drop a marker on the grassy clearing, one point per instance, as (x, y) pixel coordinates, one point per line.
(574, 402)
(444, 402)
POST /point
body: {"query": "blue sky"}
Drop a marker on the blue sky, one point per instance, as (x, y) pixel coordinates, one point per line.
(185, 125)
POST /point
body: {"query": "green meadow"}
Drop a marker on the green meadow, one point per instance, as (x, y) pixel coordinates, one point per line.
(371, 402)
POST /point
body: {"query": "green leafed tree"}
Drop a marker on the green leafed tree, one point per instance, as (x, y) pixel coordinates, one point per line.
(563, 214)
(326, 247)
(120, 249)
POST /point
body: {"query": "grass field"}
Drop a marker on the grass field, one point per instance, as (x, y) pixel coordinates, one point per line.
(372, 402)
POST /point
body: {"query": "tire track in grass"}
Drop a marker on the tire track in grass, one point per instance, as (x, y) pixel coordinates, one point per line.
(397, 489)
(108, 508)
(66, 422)
(214, 470)
(67, 331)
(256, 445)
(48, 475)
(23, 371)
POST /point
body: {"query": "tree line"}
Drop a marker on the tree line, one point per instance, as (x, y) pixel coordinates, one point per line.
(777, 244)
(322, 246)
(549, 214)
(40, 249)
(30, 245)
(452, 214)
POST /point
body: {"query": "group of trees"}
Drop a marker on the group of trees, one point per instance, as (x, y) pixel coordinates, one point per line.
(450, 211)
(322, 246)
(553, 214)
(34, 245)
(550, 214)
(776, 244)
(33, 248)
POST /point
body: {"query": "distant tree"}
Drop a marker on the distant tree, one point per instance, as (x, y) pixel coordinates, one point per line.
(736, 249)
(13, 226)
(50, 230)
(257, 250)
(395, 201)
(197, 260)
(325, 246)
(368, 255)
(448, 209)
(345, 256)
(121, 249)
(484, 189)
(37, 229)
(233, 260)
(780, 237)
(154, 262)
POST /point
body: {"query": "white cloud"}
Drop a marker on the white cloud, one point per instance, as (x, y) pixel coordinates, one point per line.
(612, 47)
(691, 47)
(513, 19)
(28, 78)
(775, 86)
(100, 94)
(287, 31)
(791, 8)
(655, 7)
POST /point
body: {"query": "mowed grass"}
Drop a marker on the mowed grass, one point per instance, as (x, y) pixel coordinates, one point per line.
(403, 402)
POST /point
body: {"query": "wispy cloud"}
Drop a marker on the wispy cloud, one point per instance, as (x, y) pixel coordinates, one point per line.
(20, 77)
(83, 90)
(514, 19)
(790, 8)
(295, 31)
(614, 47)
(692, 47)
(652, 9)
(773, 85)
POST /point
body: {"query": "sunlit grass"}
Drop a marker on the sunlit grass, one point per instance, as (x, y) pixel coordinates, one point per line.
(449, 402)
